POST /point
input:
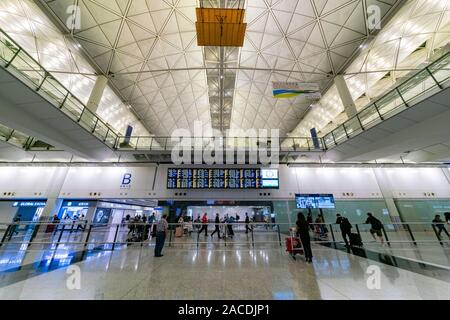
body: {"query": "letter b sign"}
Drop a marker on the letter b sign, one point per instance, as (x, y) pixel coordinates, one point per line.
(126, 180)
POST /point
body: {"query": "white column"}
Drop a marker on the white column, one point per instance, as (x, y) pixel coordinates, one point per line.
(386, 191)
(345, 95)
(446, 172)
(97, 93)
(53, 202)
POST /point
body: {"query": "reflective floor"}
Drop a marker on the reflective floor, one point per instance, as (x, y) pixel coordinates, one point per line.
(232, 272)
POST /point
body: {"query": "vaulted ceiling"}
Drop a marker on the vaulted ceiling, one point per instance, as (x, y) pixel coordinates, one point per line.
(148, 48)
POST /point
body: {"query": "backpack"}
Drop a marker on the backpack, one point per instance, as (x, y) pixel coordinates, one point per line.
(346, 224)
(376, 224)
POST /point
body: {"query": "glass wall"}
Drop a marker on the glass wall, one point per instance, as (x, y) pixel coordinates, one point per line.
(354, 210)
(422, 210)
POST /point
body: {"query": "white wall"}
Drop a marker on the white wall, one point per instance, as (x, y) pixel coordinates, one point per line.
(26, 182)
(105, 182)
(418, 183)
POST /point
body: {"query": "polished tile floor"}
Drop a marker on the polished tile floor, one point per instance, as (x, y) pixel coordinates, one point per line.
(189, 273)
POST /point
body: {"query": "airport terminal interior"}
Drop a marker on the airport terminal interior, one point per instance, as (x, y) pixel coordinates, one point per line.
(236, 135)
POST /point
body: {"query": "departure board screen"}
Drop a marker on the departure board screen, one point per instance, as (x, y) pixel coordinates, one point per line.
(181, 178)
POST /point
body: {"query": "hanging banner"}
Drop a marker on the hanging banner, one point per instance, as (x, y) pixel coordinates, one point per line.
(292, 89)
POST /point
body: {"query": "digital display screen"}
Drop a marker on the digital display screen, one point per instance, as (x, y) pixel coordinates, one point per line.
(315, 201)
(222, 178)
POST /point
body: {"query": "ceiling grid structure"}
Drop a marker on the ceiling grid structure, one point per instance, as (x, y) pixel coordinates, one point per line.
(24, 21)
(294, 41)
(148, 49)
(418, 33)
(145, 48)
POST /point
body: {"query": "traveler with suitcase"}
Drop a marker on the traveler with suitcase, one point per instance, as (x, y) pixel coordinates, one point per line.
(376, 227)
(303, 234)
(346, 228)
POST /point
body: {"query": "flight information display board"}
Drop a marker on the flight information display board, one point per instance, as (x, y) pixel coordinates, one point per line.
(190, 178)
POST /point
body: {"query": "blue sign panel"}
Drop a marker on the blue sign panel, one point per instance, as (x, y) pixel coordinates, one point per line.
(29, 204)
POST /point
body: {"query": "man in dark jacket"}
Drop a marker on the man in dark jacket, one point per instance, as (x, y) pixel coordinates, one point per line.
(346, 228)
(440, 225)
(376, 227)
(217, 226)
(247, 223)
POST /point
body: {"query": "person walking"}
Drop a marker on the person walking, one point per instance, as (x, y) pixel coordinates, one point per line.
(161, 230)
(217, 226)
(447, 217)
(152, 222)
(376, 227)
(303, 234)
(81, 223)
(439, 224)
(346, 228)
(230, 221)
(247, 223)
(204, 224)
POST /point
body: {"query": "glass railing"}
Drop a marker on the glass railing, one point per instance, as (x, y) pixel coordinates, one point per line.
(188, 234)
(25, 68)
(22, 140)
(405, 95)
(286, 144)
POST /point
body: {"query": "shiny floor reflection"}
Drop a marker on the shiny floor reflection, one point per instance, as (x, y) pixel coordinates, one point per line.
(233, 273)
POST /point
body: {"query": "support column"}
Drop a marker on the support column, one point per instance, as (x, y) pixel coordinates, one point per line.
(53, 202)
(345, 95)
(446, 172)
(386, 191)
(97, 93)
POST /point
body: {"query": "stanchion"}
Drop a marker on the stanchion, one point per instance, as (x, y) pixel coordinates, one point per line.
(385, 235)
(332, 235)
(279, 235)
(411, 234)
(115, 237)
(253, 238)
(437, 235)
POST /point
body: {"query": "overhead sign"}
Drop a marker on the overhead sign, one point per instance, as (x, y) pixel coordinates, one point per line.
(293, 89)
(126, 181)
(29, 204)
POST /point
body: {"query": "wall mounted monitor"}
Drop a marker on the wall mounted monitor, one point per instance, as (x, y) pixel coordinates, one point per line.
(234, 178)
(314, 201)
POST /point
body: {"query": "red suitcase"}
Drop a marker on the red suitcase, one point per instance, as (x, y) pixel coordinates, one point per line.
(293, 246)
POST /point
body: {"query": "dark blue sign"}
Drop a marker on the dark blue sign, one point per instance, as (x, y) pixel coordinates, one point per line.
(29, 204)
(82, 204)
(315, 138)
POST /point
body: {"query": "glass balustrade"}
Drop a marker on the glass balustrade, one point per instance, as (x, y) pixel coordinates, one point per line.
(393, 102)
(26, 69)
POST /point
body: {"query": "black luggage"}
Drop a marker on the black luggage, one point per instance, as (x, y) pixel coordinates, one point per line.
(355, 240)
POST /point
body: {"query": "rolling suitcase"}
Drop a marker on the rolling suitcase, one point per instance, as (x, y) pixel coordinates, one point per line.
(179, 232)
(293, 246)
(355, 240)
